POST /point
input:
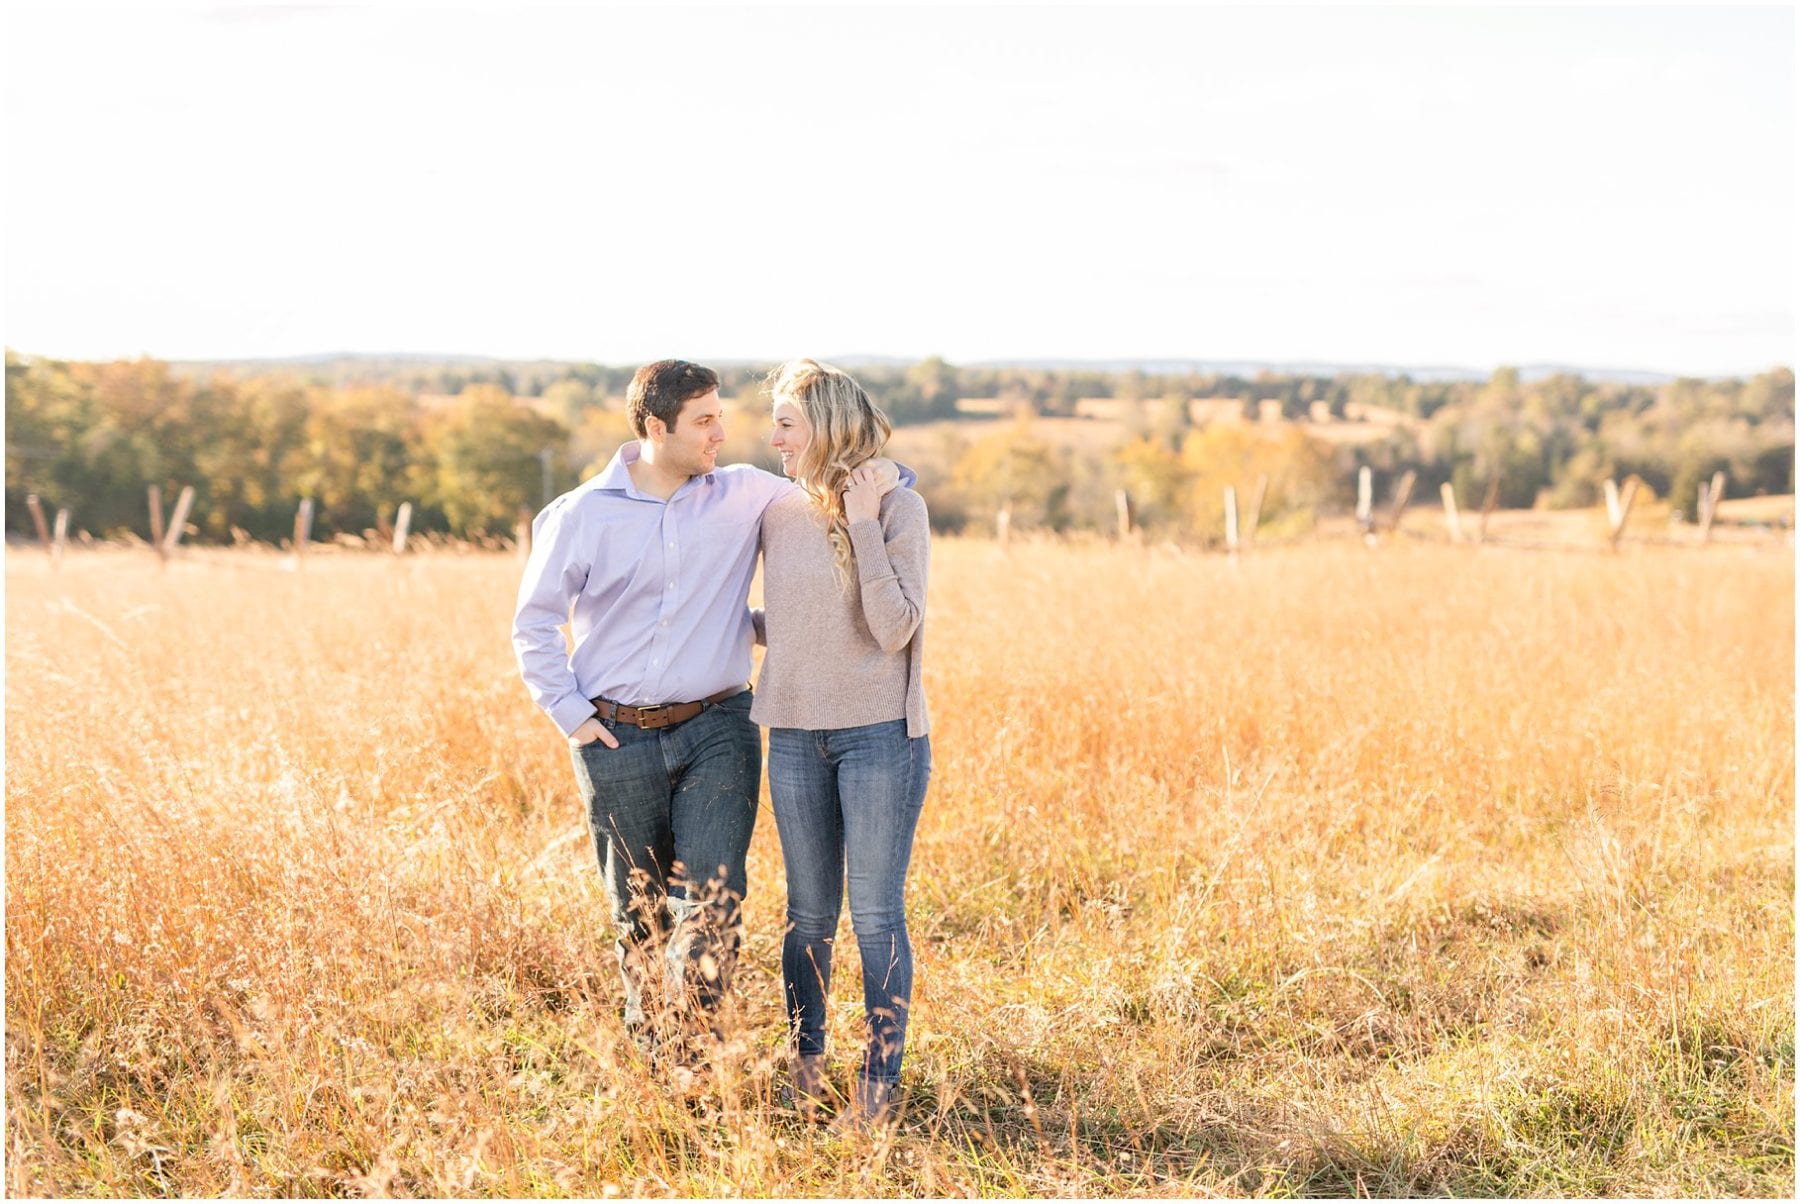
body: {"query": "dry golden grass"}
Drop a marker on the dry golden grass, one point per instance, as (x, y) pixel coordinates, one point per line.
(1421, 871)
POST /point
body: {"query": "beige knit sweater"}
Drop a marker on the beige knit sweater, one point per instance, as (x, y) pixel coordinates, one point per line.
(843, 658)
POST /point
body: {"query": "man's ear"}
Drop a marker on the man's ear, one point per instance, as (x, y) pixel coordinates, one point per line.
(655, 429)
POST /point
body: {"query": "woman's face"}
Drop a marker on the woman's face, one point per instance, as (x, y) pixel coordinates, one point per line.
(791, 434)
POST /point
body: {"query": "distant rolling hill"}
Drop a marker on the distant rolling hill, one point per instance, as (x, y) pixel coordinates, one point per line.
(327, 361)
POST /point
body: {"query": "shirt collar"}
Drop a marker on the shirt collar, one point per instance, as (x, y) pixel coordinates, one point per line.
(616, 476)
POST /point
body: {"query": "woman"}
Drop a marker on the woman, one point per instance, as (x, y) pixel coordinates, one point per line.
(840, 692)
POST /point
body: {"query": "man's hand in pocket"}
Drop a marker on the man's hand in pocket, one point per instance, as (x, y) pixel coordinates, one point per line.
(591, 730)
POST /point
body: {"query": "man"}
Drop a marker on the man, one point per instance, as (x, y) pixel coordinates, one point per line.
(656, 555)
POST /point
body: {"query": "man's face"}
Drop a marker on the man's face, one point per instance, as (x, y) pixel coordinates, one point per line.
(691, 446)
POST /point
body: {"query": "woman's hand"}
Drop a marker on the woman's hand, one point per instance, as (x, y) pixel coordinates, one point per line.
(862, 496)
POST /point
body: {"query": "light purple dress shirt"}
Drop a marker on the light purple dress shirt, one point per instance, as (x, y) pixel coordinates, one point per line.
(659, 588)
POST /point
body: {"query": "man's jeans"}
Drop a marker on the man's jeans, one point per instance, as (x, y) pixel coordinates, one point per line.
(848, 800)
(671, 812)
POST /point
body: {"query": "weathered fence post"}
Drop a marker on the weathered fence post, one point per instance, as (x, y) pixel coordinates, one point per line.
(1452, 520)
(1231, 522)
(1487, 507)
(1003, 523)
(1365, 500)
(522, 532)
(37, 518)
(1256, 504)
(402, 520)
(1611, 489)
(60, 540)
(1708, 501)
(177, 521)
(302, 529)
(1401, 497)
(1122, 503)
(156, 522)
(1628, 496)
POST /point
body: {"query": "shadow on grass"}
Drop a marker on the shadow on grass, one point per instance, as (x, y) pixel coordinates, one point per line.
(1038, 1120)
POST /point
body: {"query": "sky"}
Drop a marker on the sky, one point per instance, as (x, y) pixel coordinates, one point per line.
(1451, 186)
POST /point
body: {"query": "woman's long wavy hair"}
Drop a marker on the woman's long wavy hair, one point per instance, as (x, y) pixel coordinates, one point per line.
(847, 428)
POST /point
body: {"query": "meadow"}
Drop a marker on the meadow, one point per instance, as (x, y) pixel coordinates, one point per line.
(1415, 871)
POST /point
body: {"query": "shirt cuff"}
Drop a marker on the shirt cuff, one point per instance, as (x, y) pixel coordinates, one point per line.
(571, 712)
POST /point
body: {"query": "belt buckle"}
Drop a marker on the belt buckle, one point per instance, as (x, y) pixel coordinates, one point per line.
(652, 717)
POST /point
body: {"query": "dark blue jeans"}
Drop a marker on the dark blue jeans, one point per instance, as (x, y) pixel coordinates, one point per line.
(847, 803)
(671, 811)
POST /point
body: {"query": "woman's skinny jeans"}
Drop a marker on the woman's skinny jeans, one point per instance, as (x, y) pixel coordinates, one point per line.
(847, 802)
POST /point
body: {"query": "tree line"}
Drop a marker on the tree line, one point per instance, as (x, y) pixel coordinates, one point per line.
(471, 443)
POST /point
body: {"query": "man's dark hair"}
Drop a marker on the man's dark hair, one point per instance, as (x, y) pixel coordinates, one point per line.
(658, 390)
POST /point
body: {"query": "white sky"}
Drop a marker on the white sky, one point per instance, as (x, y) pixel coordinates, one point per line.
(1613, 188)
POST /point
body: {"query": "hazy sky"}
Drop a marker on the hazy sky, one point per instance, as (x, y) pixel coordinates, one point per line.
(1610, 187)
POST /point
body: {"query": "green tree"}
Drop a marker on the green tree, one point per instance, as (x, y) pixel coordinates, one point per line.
(488, 456)
(364, 449)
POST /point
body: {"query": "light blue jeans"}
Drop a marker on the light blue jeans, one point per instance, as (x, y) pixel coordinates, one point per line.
(846, 804)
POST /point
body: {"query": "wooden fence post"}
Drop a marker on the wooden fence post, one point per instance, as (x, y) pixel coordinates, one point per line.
(156, 522)
(1611, 489)
(1628, 496)
(37, 518)
(1401, 497)
(1487, 508)
(1256, 504)
(1452, 520)
(1365, 499)
(1231, 522)
(1003, 523)
(522, 532)
(178, 521)
(1708, 501)
(402, 520)
(1122, 503)
(60, 540)
(302, 529)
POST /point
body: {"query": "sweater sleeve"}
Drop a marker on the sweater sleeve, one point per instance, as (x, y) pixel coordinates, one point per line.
(892, 558)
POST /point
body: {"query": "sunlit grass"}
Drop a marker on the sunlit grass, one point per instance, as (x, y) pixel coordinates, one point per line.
(1411, 872)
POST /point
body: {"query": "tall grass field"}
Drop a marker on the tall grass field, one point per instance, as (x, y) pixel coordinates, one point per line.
(1413, 871)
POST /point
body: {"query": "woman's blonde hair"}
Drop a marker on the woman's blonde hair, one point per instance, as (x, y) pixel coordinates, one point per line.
(847, 428)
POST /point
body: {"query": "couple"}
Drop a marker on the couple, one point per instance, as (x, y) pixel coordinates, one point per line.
(650, 564)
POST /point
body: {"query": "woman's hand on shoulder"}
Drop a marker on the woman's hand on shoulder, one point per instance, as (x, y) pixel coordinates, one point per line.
(887, 473)
(862, 493)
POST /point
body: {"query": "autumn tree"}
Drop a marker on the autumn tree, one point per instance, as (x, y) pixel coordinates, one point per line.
(1017, 468)
(488, 456)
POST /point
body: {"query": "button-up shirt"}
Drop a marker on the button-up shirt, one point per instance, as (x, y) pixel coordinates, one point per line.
(659, 588)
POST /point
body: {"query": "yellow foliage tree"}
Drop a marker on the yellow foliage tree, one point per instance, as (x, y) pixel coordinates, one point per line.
(1153, 474)
(1300, 471)
(1014, 467)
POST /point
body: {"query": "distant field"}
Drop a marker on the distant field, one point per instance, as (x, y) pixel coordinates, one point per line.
(1097, 432)
(1773, 509)
(1411, 871)
(1745, 522)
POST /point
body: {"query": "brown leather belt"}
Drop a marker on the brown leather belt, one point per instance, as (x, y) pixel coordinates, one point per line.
(663, 714)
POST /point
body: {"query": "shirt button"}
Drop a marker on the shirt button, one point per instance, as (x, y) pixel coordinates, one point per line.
(671, 585)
